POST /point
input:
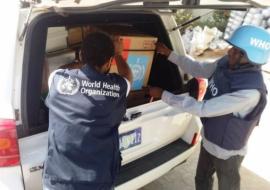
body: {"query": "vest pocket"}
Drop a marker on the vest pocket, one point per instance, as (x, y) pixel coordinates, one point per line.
(237, 133)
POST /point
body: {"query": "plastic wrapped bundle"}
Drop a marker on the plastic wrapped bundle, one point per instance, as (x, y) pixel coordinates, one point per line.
(266, 13)
(235, 20)
(264, 24)
(257, 19)
(187, 37)
(254, 17)
(268, 22)
(202, 39)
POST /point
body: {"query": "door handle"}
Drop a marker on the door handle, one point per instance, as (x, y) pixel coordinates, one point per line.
(135, 115)
(36, 168)
(132, 116)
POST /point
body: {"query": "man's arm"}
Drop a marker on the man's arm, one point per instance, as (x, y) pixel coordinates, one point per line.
(122, 66)
(192, 67)
(124, 71)
(186, 63)
(239, 103)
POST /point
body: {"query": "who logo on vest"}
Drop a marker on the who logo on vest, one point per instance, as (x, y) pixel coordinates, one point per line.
(68, 86)
(213, 88)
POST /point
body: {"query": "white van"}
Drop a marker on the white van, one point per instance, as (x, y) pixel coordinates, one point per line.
(38, 29)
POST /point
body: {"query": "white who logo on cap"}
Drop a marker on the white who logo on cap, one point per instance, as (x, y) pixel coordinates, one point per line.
(258, 43)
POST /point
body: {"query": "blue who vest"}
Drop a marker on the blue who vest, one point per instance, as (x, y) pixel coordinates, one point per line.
(228, 131)
(85, 111)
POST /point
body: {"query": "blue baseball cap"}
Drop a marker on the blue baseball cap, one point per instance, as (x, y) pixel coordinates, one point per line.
(254, 41)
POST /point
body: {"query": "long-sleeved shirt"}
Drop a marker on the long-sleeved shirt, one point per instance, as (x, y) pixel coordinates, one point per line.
(240, 102)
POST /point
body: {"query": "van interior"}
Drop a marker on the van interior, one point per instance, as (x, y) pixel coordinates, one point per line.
(49, 46)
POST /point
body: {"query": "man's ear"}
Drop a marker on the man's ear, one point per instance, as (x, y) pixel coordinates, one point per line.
(244, 59)
(110, 62)
(80, 55)
(108, 65)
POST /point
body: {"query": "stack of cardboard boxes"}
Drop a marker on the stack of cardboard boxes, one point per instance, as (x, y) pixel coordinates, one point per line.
(138, 50)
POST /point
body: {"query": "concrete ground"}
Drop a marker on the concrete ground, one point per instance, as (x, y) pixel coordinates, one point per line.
(255, 169)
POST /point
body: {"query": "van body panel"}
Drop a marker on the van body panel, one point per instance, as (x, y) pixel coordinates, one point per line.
(11, 178)
(105, 4)
(158, 128)
(33, 150)
(8, 36)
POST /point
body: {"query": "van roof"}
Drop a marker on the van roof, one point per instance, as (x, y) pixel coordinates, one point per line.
(104, 4)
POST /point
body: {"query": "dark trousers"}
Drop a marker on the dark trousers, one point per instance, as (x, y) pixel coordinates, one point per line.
(227, 172)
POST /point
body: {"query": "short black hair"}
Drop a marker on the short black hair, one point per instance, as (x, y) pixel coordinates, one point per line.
(97, 49)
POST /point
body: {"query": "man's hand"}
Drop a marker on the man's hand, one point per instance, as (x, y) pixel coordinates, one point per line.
(122, 66)
(162, 49)
(155, 92)
(118, 45)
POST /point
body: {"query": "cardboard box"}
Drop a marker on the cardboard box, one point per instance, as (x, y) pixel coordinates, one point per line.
(74, 36)
(138, 53)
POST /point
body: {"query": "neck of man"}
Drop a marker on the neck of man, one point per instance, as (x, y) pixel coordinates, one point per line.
(103, 70)
(239, 63)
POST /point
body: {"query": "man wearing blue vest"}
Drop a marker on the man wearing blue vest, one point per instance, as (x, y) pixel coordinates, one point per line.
(232, 106)
(86, 106)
